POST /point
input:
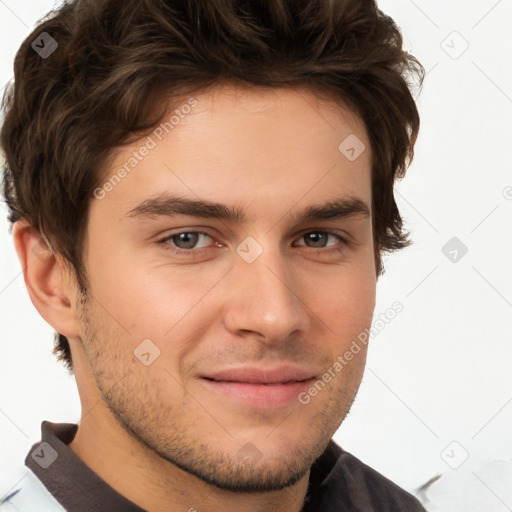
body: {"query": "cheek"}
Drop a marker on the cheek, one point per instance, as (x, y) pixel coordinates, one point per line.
(165, 304)
(149, 303)
(348, 304)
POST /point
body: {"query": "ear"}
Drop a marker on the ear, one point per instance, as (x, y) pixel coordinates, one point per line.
(49, 282)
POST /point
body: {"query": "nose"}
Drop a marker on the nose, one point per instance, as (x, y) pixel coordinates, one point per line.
(264, 298)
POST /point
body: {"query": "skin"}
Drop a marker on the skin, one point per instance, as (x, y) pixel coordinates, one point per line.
(156, 433)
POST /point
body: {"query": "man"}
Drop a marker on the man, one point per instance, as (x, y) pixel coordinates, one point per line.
(201, 193)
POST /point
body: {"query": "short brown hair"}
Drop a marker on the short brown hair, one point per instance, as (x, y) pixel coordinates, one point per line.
(66, 112)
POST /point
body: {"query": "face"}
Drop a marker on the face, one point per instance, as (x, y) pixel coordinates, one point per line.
(206, 326)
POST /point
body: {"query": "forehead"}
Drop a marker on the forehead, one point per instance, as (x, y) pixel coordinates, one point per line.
(234, 145)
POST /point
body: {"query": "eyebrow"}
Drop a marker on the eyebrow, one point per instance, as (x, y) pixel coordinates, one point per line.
(169, 205)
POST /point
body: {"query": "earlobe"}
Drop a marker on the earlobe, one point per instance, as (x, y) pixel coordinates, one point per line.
(47, 279)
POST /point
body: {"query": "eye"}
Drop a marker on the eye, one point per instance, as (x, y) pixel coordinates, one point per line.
(185, 242)
(318, 239)
(186, 239)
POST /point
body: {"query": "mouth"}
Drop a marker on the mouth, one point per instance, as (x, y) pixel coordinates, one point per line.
(260, 387)
(259, 383)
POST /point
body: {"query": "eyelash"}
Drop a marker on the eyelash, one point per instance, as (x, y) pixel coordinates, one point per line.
(199, 252)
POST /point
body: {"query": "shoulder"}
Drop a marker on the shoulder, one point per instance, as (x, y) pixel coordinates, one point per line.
(382, 493)
(29, 495)
(350, 484)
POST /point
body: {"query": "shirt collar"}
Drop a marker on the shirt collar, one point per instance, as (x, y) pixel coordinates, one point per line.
(71, 482)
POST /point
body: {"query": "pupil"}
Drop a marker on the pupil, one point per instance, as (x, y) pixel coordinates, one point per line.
(317, 237)
(188, 239)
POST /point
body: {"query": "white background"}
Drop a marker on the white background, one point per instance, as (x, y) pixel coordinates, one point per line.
(438, 385)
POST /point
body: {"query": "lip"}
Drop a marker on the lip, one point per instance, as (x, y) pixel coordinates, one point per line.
(261, 375)
(258, 386)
